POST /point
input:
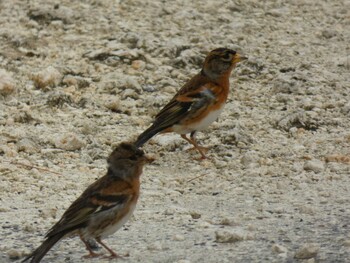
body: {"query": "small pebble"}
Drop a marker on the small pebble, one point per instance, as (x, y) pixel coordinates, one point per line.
(156, 246)
(329, 33)
(227, 222)
(279, 249)
(249, 158)
(178, 237)
(7, 84)
(195, 215)
(69, 142)
(275, 12)
(204, 224)
(9, 150)
(14, 254)
(78, 81)
(138, 64)
(306, 209)
(345, 62)
(316, 166)
(28, 146)
(89, 128)
(307, 251)
(222, 236)
(129, 93)
(132, 83)
(346, 243)
(113, 103)
(49, 77)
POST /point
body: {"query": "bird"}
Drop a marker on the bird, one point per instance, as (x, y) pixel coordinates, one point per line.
(199, 102)
(103, 207)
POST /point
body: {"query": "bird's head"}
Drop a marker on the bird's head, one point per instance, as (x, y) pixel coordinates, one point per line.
(220, 62)
(127, 160)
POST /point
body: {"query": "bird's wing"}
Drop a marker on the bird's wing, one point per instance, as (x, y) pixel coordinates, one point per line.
(95, 199)
(185, 104)
(190, 101)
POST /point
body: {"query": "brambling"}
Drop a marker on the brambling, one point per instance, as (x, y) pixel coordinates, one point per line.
(103, 207)
(199, 102)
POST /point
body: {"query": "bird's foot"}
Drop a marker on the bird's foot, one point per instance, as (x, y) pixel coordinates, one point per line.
(202, 158)
(92, 255)
(199, 149)
(113, 256)
(202, 151)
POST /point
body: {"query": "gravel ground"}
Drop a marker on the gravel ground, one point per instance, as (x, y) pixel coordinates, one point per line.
(78, 77)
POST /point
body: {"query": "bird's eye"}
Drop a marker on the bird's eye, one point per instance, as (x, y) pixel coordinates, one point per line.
(227, 56)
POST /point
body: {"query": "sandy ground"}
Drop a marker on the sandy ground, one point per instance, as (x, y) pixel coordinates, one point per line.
(77, 77)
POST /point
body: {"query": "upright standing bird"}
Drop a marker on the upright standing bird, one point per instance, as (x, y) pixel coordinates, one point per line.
(104, 206)
(199, 102)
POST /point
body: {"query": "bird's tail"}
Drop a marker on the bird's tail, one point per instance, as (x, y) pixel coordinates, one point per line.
(147, 134)
(41, 251)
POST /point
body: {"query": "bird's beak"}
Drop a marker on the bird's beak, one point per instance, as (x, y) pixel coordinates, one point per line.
(148, 159)
(238, 58)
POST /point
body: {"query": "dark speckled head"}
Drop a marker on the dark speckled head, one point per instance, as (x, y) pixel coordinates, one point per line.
(220, 61)
(126, 161)
(126, 151)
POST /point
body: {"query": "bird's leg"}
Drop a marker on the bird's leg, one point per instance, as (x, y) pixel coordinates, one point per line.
(204, 149)
(195, 145)
(91, 254)
(113, 254)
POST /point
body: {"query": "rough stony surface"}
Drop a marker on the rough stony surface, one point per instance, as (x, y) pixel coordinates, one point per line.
(82, 76)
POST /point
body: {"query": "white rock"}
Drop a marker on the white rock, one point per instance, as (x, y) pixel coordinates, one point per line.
(169, 140)
(316, 166)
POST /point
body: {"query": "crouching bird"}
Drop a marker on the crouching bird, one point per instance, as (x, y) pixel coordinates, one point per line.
(199, 102)
(103, 207)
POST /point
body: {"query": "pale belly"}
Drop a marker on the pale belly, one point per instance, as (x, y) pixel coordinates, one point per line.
(200, 125)
(110, 229)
